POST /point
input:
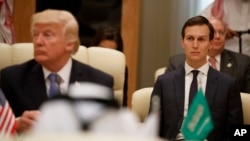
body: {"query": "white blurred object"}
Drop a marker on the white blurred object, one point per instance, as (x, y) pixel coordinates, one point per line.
(57, 117)
(82, 137)
(126, 122)
(90, 90)
(121, 121)
(89, 111)
(71, 115)
(150, 127)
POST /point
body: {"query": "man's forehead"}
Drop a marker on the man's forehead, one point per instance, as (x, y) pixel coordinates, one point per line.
(201, 30)
(47, 26)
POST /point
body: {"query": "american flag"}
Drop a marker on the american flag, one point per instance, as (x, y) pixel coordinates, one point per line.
(7, 118)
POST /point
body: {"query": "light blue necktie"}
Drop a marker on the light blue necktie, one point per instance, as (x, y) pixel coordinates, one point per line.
(53, 87)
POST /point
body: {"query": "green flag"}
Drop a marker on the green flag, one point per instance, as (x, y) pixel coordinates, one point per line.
(198, 122)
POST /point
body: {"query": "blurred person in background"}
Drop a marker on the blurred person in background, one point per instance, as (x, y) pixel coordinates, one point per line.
(110, 37)
(235, 13)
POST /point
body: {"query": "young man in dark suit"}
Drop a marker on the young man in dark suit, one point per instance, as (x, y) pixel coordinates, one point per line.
(232, 63)
(221, 90)
(55, 38)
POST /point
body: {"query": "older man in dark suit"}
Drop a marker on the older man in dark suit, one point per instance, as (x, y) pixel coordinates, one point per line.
(55, 38)
(234, 64)
(221, 90)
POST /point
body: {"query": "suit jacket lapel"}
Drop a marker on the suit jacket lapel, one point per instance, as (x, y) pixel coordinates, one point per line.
(35, 86)
(77, 74)
(179, 84)
(226, 63)
(211, 86)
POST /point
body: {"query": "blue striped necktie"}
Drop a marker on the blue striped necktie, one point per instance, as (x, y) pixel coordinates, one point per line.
(54, 85)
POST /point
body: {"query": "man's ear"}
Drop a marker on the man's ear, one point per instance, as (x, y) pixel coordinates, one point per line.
(70, 46)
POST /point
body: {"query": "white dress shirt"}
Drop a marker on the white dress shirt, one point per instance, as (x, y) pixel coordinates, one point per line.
(202, 81)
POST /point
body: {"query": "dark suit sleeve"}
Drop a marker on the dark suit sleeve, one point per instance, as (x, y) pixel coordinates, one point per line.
(175, 62)
(170, 65)
(247, 76)
(235, 113)
(100, 77)
(4, 85)
(157, 92)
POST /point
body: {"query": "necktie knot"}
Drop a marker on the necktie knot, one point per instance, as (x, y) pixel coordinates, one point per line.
(212, 61)
(52, 77)
(195, 73)
(53, 87)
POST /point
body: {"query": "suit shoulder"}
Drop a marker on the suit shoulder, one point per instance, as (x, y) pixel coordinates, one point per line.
(224, 76)
(171, 74)
(91, 70)
(237, 55)
(26, 66)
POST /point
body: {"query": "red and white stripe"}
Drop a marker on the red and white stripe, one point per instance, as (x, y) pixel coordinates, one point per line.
(7, 34)
(7, 119)
(217, 10)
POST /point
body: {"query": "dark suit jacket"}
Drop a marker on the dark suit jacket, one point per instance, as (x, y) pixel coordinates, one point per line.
(24, 85)
(223, 98)
(234, 64)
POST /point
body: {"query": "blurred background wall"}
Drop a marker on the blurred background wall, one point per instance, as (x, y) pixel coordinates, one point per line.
(150, 28)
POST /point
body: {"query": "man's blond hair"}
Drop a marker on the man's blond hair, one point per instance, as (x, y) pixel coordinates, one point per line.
(65, 18)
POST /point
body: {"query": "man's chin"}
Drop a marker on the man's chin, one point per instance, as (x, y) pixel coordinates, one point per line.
(217, 48)
(40, 59)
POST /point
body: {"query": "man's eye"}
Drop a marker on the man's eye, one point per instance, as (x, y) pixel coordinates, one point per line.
(190, 38)
(35, 34)
(201, 39)
(47, 34)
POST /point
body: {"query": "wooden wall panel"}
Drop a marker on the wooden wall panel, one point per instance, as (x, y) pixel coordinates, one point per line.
(22, 12)
(130, 34)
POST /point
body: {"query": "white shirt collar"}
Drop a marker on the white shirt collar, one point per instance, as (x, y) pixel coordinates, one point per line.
(203, 69)
(64, 74)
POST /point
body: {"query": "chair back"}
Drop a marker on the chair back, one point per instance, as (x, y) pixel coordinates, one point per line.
(141, 102)
(245, 98)
(107, 60)
(159, 72)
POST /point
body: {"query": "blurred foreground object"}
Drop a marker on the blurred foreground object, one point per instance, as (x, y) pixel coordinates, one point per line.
(90, 108)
